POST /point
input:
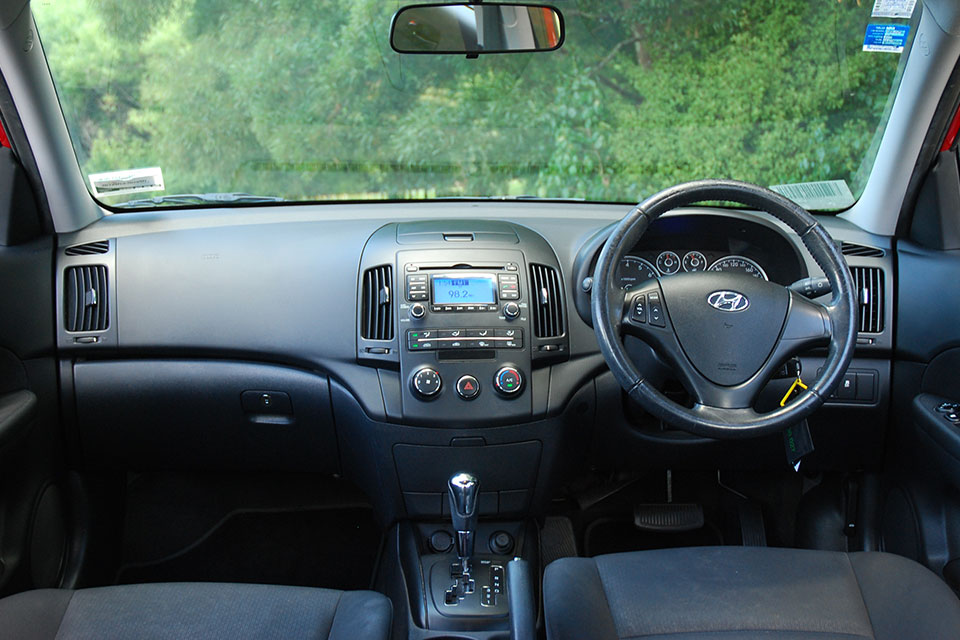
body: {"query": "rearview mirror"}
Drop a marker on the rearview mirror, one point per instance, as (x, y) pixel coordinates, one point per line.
(473, 29)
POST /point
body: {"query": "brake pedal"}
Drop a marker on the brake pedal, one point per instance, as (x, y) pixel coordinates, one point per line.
(670, 517)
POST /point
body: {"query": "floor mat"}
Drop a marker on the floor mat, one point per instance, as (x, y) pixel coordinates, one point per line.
(333, 548)
(615, 535)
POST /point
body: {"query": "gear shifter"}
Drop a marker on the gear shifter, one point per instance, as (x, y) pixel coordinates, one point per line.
(464, 489)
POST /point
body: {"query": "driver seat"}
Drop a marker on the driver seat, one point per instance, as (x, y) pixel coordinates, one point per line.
(738, 593)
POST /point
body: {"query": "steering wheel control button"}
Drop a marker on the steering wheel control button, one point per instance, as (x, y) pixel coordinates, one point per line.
(468, 387)
(508, 381)
(511, 310)
(655, 310)
(639, 311)
(427, 383)
(417, 310)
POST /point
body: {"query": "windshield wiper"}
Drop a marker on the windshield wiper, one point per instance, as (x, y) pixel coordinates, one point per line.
(200, 198)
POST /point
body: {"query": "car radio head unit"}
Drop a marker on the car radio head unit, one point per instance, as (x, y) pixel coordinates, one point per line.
(464, 288)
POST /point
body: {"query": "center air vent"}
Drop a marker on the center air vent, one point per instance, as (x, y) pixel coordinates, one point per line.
(863, 251)
(869, 287)
(89, 249)
(376, 307)
(85, 298)
(546, 301)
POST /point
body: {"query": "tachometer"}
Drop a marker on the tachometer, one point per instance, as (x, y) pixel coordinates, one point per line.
(633, 271)
(668, 263)
(694, 261)
(739, 264)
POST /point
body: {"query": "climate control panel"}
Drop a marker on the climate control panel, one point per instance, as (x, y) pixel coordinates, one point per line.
(427, 383)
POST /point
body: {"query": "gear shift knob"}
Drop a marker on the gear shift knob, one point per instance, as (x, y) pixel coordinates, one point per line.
(464, 490)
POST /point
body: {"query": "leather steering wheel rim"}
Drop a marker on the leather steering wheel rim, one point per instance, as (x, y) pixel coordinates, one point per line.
(611, 312)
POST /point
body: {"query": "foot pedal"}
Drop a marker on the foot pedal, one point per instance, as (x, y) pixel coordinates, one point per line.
(668, 517)
(752, 531)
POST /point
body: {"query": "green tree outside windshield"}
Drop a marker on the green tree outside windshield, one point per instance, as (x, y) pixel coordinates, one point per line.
(306, 100)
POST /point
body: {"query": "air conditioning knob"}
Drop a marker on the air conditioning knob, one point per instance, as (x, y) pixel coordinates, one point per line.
(508, 381)
(511, 310)
(417, 310)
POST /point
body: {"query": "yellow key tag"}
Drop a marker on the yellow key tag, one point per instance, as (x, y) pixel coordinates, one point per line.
(794, 389)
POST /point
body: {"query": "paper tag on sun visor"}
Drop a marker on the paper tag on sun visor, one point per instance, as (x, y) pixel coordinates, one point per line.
(117, 183)
(893, 8)
(888, 38)
(826, 194)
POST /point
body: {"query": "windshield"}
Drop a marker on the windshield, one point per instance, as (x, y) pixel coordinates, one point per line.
(306, 101)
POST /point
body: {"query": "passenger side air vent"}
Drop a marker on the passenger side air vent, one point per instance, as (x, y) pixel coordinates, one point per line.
(869, 286)
(377, 305)
(546, 302)
(89, 249)
(85, 298)
(851, 249)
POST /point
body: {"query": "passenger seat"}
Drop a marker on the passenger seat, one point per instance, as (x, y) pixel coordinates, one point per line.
(194, 611)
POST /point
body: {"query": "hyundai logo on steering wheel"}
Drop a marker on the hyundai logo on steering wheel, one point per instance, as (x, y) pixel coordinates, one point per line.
(728, 301)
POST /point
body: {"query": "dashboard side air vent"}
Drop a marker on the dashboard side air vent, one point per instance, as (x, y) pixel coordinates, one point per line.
(377, 304)
(863, 251)
(869, 285)
(546, 301)
(85, 298)
(88, 249)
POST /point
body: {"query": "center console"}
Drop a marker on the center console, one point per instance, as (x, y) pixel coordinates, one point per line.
(474, 308)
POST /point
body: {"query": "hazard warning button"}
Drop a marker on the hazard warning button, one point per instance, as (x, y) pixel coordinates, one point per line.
(468, 388)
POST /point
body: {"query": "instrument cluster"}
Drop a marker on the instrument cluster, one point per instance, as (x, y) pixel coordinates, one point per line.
(635, 269)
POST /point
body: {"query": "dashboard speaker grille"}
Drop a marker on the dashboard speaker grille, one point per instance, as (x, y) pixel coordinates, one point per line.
(547, 301)
(85, 298)
(863, 251)
(377, 306)
(88, 249)
(869, 283)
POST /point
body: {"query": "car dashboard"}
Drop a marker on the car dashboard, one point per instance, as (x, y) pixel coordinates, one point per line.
(393, 343)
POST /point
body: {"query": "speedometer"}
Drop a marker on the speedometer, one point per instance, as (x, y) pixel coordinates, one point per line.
(633, 271)
(739, 264)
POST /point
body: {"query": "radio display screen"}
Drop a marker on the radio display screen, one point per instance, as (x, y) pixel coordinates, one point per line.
(466, 290)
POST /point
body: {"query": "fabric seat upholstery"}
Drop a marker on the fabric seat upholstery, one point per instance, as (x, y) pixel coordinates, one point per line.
(191, 611)
(734, 593)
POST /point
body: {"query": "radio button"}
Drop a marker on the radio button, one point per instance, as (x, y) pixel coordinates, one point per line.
(417, 310)
(511, 310)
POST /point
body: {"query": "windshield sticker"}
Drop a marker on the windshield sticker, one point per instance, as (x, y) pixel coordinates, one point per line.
(893, 8)
(826, 194)
(890, 38)
(117, 183)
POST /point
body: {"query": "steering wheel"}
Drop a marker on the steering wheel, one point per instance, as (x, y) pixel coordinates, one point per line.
(724, 334)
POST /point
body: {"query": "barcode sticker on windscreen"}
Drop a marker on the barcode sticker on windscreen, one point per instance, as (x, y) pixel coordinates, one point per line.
(826, 194)
(893, 8)
(118, 183)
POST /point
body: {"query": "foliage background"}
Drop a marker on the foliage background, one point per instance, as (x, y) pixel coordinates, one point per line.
(305, 99)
